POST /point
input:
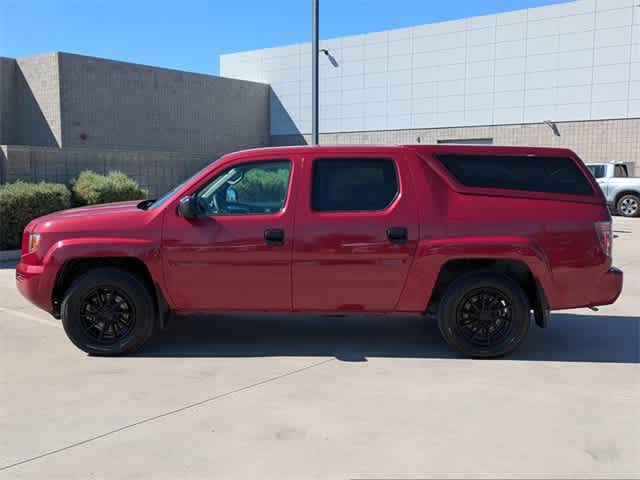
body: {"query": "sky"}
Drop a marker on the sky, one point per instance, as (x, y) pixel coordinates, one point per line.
(191, 34)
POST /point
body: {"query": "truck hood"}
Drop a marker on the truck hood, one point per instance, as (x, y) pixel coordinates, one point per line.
(93, 212)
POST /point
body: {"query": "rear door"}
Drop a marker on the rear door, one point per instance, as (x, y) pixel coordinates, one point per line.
(355, 232)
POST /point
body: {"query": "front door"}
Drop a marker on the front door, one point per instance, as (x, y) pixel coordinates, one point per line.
(356, 233)
(237, 255)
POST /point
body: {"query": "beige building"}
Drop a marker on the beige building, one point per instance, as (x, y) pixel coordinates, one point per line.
(559, 75)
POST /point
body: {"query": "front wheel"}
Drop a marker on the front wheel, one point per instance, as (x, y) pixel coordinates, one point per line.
(628, 205)
(108, 311)
(484, 315)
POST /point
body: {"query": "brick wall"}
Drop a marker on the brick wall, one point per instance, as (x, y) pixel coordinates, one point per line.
(38, 101)
(155, 171)
(593, 141)
(62, 113)
(129, 106)
(8, 67)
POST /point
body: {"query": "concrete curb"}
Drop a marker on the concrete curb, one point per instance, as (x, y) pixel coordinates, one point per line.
(9, 255)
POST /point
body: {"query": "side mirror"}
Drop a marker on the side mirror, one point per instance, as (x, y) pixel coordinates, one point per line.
(188, 207)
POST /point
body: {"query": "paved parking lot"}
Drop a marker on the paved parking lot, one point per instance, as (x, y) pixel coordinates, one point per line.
(240, 397)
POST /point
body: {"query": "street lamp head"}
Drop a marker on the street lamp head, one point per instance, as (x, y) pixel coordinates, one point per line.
(331, 58)
(552, 125)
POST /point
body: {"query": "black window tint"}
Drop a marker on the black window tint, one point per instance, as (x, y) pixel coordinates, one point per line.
(342, 185)
(538, 174)
(596, 170)
(469, 141)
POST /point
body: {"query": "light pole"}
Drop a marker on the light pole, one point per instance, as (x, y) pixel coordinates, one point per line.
(314, 70)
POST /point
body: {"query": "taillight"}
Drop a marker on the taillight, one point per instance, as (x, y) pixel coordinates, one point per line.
(30, 242)
(34, 242)
(605, 235)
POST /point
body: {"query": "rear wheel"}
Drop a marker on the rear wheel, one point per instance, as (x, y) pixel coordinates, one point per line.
(628, 205)
(108, 312)
(484, 315)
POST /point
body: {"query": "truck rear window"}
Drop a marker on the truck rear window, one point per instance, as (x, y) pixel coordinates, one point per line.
(536, 174)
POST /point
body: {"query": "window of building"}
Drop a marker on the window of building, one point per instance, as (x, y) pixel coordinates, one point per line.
(469, 141)
(353, 184)
(538, 174)
(250, 188)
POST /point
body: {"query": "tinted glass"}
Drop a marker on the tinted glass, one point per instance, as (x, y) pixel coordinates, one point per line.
(596, 170)
(538, 174)
(250, 188)
(342, 184)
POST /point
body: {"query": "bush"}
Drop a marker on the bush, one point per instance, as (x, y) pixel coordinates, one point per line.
(21, 202)
(263, 185)
(91, 188)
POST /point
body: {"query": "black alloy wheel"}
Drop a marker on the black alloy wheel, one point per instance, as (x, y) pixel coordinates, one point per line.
(483, 317)
(108, 311)
(107, 315)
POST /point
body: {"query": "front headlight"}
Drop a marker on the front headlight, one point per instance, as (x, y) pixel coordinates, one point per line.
(34, 242)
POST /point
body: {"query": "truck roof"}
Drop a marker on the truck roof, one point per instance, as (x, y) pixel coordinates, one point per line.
(442, 148)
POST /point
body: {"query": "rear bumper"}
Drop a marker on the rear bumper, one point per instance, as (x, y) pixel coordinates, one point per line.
(608, 288)
(34, 285)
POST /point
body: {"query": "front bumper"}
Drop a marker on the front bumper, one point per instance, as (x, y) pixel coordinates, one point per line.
(34, 285)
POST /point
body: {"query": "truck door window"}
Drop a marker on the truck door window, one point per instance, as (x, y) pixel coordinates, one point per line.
(247, 189)
(353, 184)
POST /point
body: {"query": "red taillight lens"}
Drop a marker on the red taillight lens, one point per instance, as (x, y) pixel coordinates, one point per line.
(605, 235)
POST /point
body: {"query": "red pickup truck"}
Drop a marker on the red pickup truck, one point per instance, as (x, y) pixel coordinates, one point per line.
(485, 239)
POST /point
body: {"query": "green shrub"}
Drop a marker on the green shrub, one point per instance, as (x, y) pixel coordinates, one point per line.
(21, 202)
(263, 185)
(91, 188)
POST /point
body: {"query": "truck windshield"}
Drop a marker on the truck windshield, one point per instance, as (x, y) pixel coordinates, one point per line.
(163, 199)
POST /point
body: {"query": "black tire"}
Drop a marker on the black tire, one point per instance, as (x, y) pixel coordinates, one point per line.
(507, 314)
(628, 205)
(103, 303)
